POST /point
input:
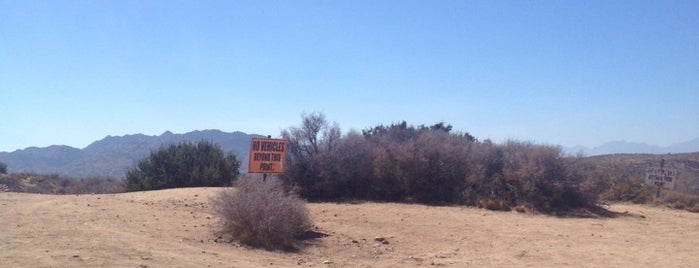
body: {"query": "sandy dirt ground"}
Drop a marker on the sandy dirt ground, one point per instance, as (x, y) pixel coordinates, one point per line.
(176, 228)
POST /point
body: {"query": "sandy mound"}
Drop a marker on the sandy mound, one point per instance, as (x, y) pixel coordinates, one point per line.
(175, 228)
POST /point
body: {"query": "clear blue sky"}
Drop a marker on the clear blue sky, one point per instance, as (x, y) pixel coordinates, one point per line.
(556, 72)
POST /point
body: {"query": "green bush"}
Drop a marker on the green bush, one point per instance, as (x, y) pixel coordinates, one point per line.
(183, 165)
(262, 214)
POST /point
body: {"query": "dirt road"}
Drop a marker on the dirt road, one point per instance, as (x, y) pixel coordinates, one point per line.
(175, 228)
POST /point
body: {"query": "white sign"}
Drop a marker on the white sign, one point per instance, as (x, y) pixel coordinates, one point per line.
(661, 177)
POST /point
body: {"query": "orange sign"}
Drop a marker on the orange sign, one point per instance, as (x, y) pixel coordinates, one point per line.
(267, 156)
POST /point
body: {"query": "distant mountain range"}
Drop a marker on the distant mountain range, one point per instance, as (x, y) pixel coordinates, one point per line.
(624, 147)
(112, 156)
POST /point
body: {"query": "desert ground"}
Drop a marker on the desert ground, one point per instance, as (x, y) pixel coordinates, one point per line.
(177, 228)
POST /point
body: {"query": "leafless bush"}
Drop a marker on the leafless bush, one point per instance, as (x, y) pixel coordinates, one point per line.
(90, 186)
(628, 190)
(526, 176)
(262, 214)
(679, 200)
(430, 164)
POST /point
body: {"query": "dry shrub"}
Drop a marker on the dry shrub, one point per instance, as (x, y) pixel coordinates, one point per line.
(538, 177)
(628, 190)
(431, 165)
(694, 208)
(262, 214)
(522, 209)
(678, 200)
(497, 205)
(55, 184)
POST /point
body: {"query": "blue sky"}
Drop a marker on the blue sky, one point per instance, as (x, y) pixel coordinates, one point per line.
(556, 72)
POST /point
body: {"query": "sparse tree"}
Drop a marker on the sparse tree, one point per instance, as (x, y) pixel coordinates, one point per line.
(3, 168)
(307, 143)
